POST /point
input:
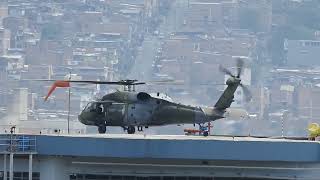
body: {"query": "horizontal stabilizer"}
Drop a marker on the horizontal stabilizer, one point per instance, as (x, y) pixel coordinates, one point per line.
(236, 113)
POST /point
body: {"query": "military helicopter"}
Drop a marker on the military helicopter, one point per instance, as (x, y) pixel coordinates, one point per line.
(130, 109)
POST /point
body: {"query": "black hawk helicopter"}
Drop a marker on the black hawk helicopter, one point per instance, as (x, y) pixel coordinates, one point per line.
(130, 109)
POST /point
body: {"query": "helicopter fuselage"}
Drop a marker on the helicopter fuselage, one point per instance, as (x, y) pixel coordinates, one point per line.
(141, 109)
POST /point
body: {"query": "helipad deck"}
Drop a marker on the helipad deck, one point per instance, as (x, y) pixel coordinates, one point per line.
(155, 156)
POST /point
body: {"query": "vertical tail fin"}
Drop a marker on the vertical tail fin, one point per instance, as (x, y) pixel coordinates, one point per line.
(227, 96)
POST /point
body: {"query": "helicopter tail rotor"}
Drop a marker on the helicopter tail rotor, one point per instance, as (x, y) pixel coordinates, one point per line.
(236, 79)
(246, 92)
(240, 64)
(225, 71)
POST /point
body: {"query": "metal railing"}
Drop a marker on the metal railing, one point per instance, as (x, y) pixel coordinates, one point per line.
(18, 144)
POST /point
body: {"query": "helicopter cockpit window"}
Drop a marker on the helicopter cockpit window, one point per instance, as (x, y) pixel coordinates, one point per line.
(88, 107)
(99, 108)
(94, 107)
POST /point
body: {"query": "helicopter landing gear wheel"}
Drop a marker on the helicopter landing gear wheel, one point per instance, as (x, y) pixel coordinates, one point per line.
(131, 129)
(102, 129)
(140, 128)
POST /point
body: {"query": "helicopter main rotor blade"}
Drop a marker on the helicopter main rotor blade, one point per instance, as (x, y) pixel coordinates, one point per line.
(122, 82)
(166, 82)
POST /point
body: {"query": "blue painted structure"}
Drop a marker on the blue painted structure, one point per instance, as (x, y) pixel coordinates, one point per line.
(245, 149)
(59, 156)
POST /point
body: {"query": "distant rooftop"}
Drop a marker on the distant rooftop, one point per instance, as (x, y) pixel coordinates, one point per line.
(130, 11)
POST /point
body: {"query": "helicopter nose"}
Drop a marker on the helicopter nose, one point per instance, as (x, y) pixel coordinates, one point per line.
(86, 118)
(80, 118)
(83, 118)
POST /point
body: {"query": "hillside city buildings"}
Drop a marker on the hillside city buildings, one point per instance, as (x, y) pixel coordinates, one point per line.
(154, 40)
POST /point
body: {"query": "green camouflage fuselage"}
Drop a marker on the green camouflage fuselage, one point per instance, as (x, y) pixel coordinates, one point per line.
(141, 109)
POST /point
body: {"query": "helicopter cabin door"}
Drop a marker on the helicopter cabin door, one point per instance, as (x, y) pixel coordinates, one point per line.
(139, 114)
(115, 114)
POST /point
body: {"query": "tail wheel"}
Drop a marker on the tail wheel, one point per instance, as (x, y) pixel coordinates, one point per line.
(131, 130)
(102, 129)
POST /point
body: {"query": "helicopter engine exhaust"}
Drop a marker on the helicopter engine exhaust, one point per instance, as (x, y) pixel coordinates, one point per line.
(143, 96)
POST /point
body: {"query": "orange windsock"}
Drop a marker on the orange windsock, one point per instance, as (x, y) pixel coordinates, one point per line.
(57, 84)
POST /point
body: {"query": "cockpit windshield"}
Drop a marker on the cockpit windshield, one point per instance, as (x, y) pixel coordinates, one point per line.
(87, 107)
(94, 107)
